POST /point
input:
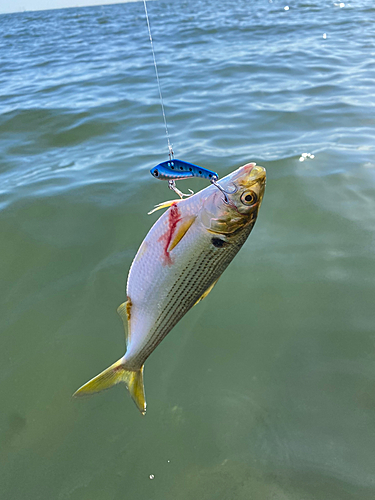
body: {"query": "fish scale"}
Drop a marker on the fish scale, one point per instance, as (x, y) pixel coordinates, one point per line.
(181, 258)
(187, 296)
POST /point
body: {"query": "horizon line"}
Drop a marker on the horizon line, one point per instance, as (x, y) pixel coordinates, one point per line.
(22, 11)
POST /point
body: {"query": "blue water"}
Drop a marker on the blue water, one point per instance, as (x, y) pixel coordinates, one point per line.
(267, 388)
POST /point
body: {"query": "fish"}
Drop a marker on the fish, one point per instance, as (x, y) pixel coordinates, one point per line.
(177, 265)
(177, 169)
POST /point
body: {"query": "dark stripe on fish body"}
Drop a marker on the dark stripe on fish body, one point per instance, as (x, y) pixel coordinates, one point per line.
(195, 279)
(185, 293)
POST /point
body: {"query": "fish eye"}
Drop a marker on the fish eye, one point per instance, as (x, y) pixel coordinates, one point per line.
(249, 198)
(156, 173)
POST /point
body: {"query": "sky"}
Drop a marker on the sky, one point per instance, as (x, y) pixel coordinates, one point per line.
(21, 5)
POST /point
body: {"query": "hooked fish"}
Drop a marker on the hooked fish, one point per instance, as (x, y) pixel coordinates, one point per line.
(177, 265)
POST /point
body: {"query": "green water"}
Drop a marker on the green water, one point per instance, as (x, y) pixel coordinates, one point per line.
(266, 390)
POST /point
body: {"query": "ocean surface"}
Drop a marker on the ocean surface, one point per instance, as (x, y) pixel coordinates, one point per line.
(266, 390)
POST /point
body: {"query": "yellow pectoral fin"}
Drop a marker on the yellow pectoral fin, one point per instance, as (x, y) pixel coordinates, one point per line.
(160, 206)
(206, 292)
(182, 229)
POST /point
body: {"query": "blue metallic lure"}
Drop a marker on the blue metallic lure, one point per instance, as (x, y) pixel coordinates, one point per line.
(178, 169)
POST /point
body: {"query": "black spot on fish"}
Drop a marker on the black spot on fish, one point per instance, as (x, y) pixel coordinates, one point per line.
(218, 242)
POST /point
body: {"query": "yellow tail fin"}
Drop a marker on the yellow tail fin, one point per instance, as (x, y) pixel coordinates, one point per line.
(113, 375)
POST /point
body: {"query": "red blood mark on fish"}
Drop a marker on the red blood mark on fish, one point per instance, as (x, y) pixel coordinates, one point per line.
(174, 218)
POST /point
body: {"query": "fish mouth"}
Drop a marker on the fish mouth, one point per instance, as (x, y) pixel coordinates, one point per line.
(255, 173)
(251, 175)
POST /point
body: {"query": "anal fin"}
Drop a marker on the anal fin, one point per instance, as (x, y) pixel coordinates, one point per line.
(124, 311)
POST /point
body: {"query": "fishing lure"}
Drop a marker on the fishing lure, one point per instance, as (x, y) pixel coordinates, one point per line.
(173, 170)
(178, 169)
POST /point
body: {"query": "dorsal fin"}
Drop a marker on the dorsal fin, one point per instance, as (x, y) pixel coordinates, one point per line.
(124, 310)
(160, 206)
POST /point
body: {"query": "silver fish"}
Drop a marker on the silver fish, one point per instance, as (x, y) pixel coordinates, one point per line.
(177, 265)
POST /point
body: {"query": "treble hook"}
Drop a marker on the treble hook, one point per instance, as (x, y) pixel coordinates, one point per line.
(172, 185)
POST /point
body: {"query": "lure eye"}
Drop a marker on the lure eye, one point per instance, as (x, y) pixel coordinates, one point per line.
(249, 198)
(156, 173)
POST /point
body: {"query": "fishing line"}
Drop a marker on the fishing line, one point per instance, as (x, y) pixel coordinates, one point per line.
(168, 170)
(170, 153)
